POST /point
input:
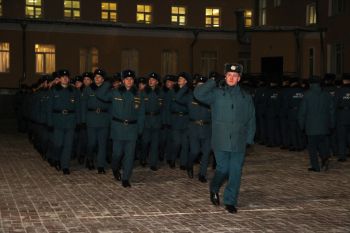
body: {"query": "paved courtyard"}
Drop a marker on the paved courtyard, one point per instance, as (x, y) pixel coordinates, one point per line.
(278, 194)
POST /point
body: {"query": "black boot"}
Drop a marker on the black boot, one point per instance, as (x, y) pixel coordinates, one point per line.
(190, 172)
(101, 170)
(66, 171)
(214, 198)
(126, 183)
(231, 209)
(202, 179)
(117, 175)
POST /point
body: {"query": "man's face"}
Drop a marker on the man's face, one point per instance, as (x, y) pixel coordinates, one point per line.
(116, 84)
(152, 82)
(98, 79)
(142, 86)
(78, 84)
(64, 80)
(169, 84)
(181, 81)
(232, 78)
(87, 81)
(128, 82)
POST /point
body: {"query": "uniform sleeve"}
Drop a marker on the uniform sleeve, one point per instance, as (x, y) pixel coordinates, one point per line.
(78, 106)
(205, 92)
(331, 112)
(105, 95)
(182, 97)
(141, 116)
(50, 109)
(251, 123)
(83, 103)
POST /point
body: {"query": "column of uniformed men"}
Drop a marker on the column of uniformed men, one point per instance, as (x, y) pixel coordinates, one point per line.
(100, 120)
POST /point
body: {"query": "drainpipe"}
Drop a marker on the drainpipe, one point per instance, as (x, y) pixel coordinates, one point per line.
(24, 54)
(322, 53)
(194, 41)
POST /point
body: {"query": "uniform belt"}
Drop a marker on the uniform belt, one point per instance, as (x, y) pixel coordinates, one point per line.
(64, 111)
(179, 113)
(152, 113)
(125, 122)
(343, 108)
(97, 110)
(200, 122)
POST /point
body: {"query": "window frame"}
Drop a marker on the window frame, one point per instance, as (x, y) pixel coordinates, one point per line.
(144, 13)
(212, 17)
(0, 8)
(277, 3)
(207, 61)
(109, 11)
(45, 56)
(245, 18)
(35, 7)
(262, 13)
(309, 7)
(8, 52)
(71, 9)
(178, 15)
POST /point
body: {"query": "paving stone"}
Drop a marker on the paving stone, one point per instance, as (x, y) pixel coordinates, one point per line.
(278, 194)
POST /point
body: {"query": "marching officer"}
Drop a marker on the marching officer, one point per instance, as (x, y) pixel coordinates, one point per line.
(199, 131)
(63, 116)
(153, 99)
(260, 101)
(128, 114)
(95, 113)
(293, 98)
(316, 117)
(233, 127)
(179, 121)
(165, 139)
(272, 115)
(87, 78)
(342, 106)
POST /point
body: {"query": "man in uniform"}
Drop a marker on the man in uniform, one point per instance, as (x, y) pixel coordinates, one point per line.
(95, 115)
(233, 127)
(342, 106)
(316, 118)
(128, 113)
(63, 116)
(153, 99)
(199, 131)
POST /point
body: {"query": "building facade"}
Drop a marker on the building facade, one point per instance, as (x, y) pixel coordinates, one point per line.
(198, 36)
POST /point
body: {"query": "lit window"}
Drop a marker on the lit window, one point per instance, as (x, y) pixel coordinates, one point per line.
(72, 9)
(0, 7)
(88, 59)
(209, 61)
(169, 62)
(144, 14)
(178, 15)
(277, 3)
(45, 61)
(248, 18)
(109, 11)
(33, 9)
(4, 57)
(310, 14)
(262, 12)
(212, 17)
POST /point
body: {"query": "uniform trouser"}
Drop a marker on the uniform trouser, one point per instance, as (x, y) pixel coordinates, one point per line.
(273, 131)
(295, 134)
(165, 143)
(228, 165)
(44, 139)
(126, 147)
(198, 145)
(318, 147)
(150, 144)
(63, 142)
(81, 149)
(261, 127)
(50, 154)
(343, 137)
(285, 138)
(97, 137)
(333, 143)
(180, 144)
